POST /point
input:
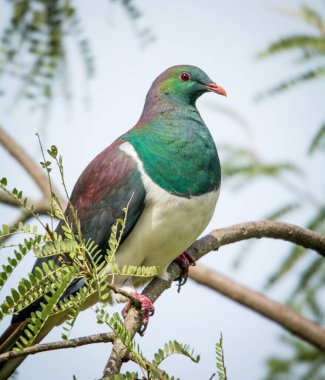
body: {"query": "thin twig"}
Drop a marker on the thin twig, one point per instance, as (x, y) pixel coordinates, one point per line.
(40, 208)
(72, 343)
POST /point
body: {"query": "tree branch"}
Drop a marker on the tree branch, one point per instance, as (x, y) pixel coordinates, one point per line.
(284, 316)
(133, 321)
(6, 199)
(19, 153)
(72, 343)
(268, 229)
(212, 242)
(287, 318)
(41, 206)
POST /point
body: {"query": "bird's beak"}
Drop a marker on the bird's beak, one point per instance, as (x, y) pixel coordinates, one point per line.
(217, 89)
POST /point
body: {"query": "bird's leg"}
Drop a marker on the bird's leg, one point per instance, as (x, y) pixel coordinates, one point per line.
(147, 309)
(185, 260)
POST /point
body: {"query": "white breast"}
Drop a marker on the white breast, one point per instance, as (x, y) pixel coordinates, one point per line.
(167, 226)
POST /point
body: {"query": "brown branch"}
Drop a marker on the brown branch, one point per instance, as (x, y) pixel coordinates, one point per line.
(212, 242)
(133, 322)
(31, 167)
(263, 229)
(41, 206)
(284, 316)
(19, 154)
(72, 343)
(6, 199)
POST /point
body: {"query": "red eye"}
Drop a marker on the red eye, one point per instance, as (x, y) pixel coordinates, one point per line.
(185, 77)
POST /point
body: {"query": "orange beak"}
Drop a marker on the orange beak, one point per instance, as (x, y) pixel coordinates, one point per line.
(217, 89)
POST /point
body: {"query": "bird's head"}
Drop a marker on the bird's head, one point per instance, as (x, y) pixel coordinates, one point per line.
(184, 83)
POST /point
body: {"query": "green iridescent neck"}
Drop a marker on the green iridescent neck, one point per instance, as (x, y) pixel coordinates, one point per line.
(177, 150)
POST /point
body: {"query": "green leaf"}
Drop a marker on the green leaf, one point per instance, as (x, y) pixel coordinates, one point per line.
(283, 210)
(5, 229)
(318, 141)
(222, 373)
(302, 78)
(53, 152)
(3, 182)
(297, 252)
(312, 43)
(10, 301)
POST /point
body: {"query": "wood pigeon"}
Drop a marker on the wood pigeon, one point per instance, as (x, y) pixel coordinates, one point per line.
(167, 168)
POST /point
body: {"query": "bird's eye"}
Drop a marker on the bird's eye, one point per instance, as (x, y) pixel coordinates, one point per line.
(185, 76)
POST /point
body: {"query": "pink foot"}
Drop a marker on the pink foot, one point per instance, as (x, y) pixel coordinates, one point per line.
(185, 260)
(147, 309)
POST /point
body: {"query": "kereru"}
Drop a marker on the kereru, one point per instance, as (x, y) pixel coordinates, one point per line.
(167, 167)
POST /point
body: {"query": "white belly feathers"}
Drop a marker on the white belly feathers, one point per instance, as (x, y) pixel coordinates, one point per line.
(167, 226)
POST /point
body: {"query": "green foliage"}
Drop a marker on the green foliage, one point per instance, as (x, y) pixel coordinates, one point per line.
(318, 141)
(126, 376)
(300, 79)
(34, 48)
(173, 347)
(312, 51)
(303, 362)
(39, 318)
(222, 373)
(283, 210)
(144, 34)
(37, 30)
(76, 303)
(150, 368)
(240, 166)
(65, 258)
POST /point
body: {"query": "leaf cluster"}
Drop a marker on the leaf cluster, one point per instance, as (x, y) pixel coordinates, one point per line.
(150, 369)
(65, 259)
(222, 373)
(304, 362)
(36, 33)
(311, 49)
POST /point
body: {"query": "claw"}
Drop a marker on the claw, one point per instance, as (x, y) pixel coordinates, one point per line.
(147, 309)
(185, 260)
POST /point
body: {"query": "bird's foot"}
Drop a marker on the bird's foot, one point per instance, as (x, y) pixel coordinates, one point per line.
(147, 309)
(185, 260)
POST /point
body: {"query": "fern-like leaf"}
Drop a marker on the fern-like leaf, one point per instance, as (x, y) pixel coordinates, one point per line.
(300, 79)
(39, 318)
(221, 368)
(316, 223)
(311, 43)
(174, 347)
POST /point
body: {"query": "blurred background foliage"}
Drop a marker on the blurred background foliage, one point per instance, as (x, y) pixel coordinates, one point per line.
(307, 296)
(35, 50)
(36, 46)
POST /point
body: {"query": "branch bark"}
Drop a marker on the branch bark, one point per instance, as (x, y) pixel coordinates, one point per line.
(212, 242)
(284, 316)
(19, 154)
(35, 171)
(72, 343)
(267, 229)
(217, 238)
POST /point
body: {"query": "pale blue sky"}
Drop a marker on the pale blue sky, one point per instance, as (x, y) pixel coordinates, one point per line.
(223, 38)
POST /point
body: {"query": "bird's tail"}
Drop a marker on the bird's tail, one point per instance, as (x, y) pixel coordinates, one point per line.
(7, 342)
